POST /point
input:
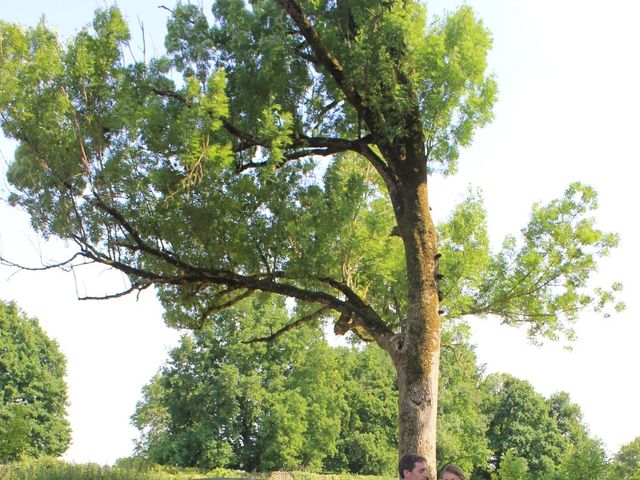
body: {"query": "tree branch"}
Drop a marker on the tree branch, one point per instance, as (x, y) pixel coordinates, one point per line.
(380, 165)
(135, 286)
(286, 328)
(193, 275)
(62, 265)
(322, 146)
(327, 59)
(216, 308)
(362, 316)
(306, 146)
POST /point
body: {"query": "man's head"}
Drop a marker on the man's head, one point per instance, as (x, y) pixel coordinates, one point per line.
(413, 467)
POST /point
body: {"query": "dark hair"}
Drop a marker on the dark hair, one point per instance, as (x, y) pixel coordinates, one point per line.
(408, 462)
(456, 470)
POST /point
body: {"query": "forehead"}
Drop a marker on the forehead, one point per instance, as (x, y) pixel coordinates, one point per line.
(420, 466)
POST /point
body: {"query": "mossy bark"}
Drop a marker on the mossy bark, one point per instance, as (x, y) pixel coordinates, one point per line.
(417, 354)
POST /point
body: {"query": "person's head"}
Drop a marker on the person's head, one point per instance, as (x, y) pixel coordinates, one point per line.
(413, 467)
(453, 472)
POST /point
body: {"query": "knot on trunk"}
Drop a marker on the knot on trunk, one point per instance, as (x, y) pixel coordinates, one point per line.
(343, 324)
(419, 397)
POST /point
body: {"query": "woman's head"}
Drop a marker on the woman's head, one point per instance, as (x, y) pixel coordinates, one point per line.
(453, 472)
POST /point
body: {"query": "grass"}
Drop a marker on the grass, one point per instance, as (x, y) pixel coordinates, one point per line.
(132, 469)
(54, 469)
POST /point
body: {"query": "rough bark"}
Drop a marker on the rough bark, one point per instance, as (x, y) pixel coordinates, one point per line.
(417, 356)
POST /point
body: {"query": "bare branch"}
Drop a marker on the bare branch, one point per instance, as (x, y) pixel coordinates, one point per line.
(170, 94)
(218, 307)
(128, 227)
(290, 156)
(65, 265)
(194, 275)
(330, 106)
(135, 287)
(291, 326)
(309, 145)
(320, 146)
(379, 164)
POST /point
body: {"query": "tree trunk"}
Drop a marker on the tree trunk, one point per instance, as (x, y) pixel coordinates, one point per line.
(418, 357)
(418, 403)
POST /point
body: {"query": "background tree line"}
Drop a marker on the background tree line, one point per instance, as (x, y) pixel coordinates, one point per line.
(297, 403)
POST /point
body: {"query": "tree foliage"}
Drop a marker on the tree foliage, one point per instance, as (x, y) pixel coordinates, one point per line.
(583, 456)
(32, 388)
(513, 467)
(368, 438)
(586, 458)
(294, 403)
(297, 403)
(533, 437)
(462, 423)
(521, 424)
(626, 462)
(119, 156)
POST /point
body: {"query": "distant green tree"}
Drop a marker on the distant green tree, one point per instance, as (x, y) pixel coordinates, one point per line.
(583, 456)
(626, 462)
(513, 467)
(369, 433)
(33, 392)
(285, 405)
(586, 458)
(462, 425)
(15, 429)
(521, 423)
(568, 417)
(220, 402)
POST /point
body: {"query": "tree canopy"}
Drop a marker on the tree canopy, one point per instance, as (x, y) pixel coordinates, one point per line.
(535, 437)
(32, 387)
(223, 403)
(521, 424)
(284, 147)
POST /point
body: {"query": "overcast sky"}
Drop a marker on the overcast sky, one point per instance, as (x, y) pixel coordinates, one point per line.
(568, 104)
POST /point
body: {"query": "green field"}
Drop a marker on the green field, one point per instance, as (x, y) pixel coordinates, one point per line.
(54, 469)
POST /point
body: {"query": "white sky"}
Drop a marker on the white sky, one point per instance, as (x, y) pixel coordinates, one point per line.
(567, 73)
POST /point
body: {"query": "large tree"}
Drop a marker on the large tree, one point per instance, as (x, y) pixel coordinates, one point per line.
(33, 393)
(284, 146)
